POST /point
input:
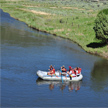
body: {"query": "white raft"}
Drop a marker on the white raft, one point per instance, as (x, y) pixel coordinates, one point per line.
(57, 77)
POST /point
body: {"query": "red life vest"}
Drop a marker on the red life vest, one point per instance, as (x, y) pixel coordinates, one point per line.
(54, 71)
(73, 72)
(79, 71)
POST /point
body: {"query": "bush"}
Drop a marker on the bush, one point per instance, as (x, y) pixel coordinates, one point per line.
(101, 25)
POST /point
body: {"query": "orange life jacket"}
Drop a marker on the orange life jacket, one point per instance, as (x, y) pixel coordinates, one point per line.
(53, 70)
(79, 71)
(73, 72)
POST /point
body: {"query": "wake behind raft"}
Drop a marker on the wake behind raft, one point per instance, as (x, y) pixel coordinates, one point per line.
(58, 76)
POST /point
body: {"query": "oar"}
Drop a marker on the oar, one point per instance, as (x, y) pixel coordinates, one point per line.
(61, 75)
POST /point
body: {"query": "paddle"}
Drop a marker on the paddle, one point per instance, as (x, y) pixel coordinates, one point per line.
(61, 75)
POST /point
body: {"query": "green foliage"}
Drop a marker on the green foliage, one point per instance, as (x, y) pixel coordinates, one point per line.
(105, 11)
(101, 25)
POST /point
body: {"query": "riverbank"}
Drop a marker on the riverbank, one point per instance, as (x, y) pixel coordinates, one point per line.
(72, 20)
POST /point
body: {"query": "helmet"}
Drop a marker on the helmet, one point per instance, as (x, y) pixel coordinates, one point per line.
(63, 66)
(70, 67)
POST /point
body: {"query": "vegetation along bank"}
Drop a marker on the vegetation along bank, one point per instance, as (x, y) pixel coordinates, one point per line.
(77, 20)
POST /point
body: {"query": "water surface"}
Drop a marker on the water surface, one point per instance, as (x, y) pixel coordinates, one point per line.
(24, 51)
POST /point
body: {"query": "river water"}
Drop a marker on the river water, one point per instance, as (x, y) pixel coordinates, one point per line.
(24, 51)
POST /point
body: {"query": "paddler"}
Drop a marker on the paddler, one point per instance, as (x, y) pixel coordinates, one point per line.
(78, 71)
(63, 70)
(70, 72)
(52, 70)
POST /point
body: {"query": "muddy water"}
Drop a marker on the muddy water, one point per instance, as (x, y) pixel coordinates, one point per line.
(24, 51)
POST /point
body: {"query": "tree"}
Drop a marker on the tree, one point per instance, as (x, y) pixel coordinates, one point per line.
(101, 25)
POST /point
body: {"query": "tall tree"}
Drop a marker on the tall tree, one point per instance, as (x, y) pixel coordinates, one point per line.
(101, 25)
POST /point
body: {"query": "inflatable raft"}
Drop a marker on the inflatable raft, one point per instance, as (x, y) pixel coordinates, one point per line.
(57, 77)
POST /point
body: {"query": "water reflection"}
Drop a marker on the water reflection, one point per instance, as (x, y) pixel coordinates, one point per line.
(14, 36)
(99, 75)
(72, 86)
(51, 86)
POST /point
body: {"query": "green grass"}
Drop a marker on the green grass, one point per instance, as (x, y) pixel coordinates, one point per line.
(75, 22)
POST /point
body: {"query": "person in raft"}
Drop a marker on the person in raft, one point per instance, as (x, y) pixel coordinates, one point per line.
(63, 70)
(51, 70)
(78, 71)
(71, 72)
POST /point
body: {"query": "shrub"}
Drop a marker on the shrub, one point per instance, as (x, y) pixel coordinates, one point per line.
(101, 25)
(61, 21)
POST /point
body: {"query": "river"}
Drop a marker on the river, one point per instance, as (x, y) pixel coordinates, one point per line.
(24, 51)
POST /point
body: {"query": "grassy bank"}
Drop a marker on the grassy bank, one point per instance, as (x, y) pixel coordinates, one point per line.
(71, 19)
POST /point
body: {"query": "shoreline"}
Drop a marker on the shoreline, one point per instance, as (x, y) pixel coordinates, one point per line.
(93, 53)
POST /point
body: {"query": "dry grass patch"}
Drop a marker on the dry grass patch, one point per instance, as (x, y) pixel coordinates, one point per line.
(76, 8)
(53, 7)
(69, 30)
(36, 12)
(30, 6)
(79, 34)
(13, 0)
(72, 8)
(90, 10)
(59, 30)
(105, 54)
